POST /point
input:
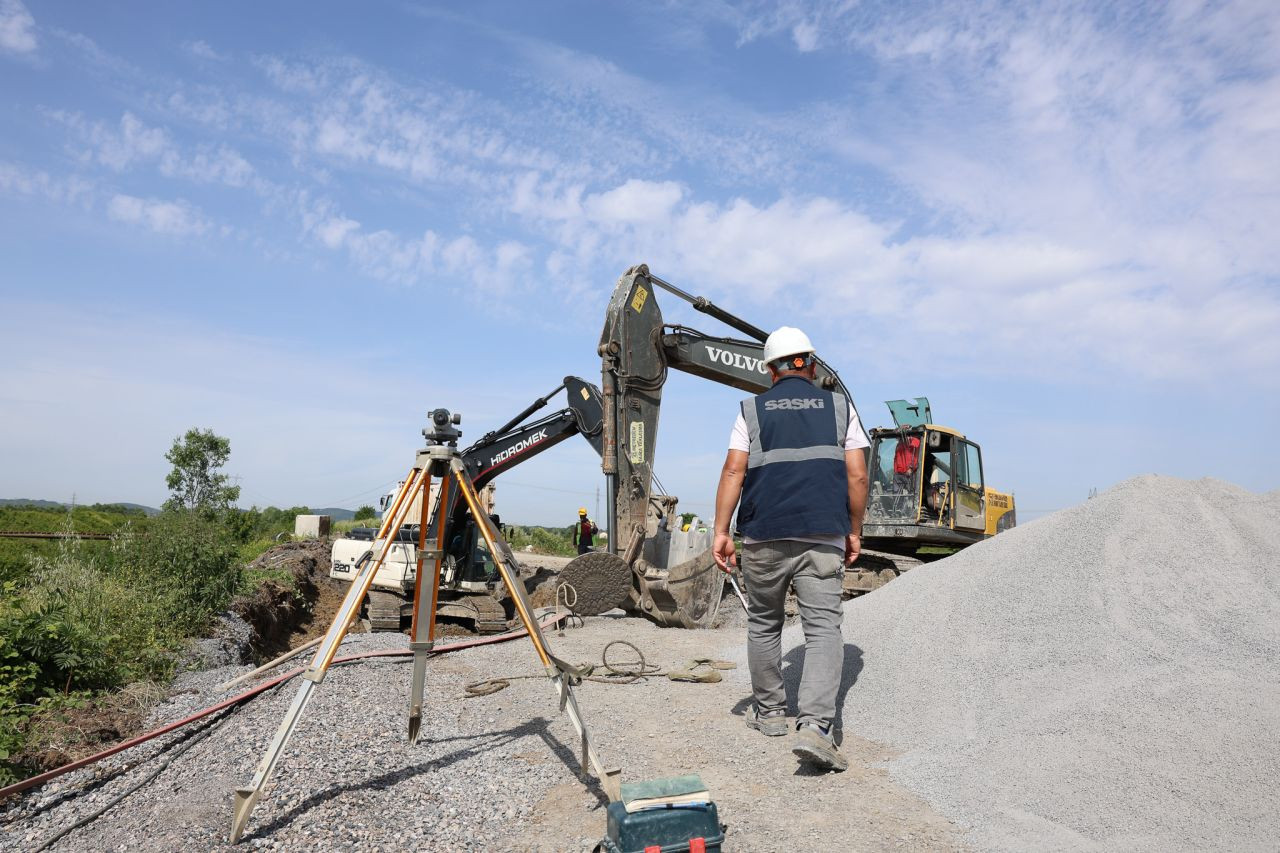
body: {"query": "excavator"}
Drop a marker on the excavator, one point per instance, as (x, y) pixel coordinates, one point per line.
(469, 581)
(637, 349)
(927, 496)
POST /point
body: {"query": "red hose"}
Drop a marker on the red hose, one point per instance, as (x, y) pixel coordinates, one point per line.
(16, 787)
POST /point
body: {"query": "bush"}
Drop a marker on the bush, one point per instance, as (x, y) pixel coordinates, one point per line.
(545, 540)
(85, 619)
(190, 563)
(365, 512)
(253, 523)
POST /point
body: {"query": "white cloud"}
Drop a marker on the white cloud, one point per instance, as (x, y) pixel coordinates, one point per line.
(333, 231)
(132, 144)
(805, 35)
(163, 217)
(203, 50)
(1055, 303)
(23, 180)
(17, 28)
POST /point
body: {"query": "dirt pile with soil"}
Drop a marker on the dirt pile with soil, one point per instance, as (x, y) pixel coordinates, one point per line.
(1102, 678)
(279, 612)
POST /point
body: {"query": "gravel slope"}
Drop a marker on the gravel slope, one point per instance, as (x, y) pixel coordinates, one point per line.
(1104, 678)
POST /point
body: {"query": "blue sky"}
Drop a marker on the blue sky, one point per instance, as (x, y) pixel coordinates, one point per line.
(303, 225)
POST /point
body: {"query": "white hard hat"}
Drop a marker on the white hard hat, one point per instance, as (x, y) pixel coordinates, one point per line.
(784, 342)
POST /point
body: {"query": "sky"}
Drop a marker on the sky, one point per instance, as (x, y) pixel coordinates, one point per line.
(304, 225)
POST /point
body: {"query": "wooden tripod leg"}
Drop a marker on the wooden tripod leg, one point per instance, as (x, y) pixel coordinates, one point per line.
(246, 798)
(610, 778)
(423, 631)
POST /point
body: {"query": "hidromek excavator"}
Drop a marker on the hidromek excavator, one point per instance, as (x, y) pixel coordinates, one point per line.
(469, 577)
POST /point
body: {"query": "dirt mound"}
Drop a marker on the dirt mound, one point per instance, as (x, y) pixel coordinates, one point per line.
(278, 611)
(1103, 677)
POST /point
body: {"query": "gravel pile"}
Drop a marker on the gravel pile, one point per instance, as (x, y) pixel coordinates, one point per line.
(1105, 678)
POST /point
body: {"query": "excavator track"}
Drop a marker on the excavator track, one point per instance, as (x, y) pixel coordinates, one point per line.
(874, 569)
(384, 610)
(485, 612)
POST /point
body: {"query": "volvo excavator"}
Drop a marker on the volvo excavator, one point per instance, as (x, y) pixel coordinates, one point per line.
(470, 585)
(637, 350)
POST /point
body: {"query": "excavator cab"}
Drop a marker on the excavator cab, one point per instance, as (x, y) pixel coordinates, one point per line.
(927, 484)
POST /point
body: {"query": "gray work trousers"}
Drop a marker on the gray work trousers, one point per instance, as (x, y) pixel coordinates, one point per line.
(815, 570)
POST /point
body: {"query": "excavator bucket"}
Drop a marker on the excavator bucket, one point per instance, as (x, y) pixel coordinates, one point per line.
(684, 596)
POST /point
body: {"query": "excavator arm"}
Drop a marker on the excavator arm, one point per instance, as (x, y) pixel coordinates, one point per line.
(515, 442)
(637, 350)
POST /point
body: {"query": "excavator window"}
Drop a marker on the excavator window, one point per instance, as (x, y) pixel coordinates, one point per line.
(973, 466)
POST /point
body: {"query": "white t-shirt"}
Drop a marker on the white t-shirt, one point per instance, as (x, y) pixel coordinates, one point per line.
(854, 439)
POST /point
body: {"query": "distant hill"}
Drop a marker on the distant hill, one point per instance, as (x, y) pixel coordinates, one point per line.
(335, 513)
(149, 510)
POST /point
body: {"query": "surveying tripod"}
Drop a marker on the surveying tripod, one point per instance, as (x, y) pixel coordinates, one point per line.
(440, 458)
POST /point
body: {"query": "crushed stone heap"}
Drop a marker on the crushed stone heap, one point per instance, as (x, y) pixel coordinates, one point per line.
(1106, 677)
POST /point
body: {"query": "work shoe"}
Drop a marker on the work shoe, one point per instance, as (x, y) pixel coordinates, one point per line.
(772, 724)
(815, 747)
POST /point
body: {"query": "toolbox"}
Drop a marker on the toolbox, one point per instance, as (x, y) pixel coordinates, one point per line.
(685, 828)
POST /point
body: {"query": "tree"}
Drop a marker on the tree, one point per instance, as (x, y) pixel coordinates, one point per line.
(365, 512)
(195, 482)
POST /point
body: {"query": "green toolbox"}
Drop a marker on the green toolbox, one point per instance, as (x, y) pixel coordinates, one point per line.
(664, 816)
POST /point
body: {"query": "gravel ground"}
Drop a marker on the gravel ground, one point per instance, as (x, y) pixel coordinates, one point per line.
(1104, 678)
(497, 772)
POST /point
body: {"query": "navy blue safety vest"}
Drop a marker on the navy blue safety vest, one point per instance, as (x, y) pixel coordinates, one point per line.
(796, 483)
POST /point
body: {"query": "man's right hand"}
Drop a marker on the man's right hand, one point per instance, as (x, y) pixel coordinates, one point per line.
(724, 552)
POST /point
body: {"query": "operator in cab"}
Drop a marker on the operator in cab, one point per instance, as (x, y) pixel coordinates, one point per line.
(796, 474)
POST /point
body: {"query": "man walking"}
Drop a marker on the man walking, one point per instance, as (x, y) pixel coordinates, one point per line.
(584, 532)
(796, 461)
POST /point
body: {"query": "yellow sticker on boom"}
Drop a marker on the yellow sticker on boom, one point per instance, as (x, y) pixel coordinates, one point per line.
(585, 395)
(637, 442)
(637, 301)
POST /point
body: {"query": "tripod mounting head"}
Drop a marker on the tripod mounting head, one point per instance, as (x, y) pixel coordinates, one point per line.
(442, 429)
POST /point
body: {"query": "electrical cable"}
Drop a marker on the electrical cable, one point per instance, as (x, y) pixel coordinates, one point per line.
(626, 672)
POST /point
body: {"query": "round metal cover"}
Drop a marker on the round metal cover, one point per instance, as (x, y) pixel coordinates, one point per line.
(601, 580)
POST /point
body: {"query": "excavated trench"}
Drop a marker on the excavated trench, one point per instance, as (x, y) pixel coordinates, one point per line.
(284, 614)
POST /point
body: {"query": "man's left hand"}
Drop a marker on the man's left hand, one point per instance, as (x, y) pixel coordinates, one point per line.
(852, 547)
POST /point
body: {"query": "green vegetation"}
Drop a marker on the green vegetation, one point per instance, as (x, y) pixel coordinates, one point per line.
(87, 619)
(366, 513)
(545, 540)
(78, 617)
(16, 554)
(195, 483)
